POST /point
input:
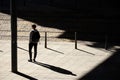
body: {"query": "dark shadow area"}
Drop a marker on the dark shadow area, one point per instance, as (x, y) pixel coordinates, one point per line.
(108, 45)
(85, 51)
(55, 50)
(97, 45)
(56, 69)
(25, 76)
(108, 70)
(92, 19)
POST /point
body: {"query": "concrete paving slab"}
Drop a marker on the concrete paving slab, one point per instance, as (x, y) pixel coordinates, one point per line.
(60, 61)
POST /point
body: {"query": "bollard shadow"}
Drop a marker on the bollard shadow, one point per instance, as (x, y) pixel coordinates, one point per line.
(23, 49)
(25, 76)
(85, 51)
(56, 69)
(1, 51)
(55, 50)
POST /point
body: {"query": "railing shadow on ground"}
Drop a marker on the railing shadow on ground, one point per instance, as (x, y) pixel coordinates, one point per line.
(85, 51)
(25, 76)
(56, 69)
(108, 70)
(54, 50)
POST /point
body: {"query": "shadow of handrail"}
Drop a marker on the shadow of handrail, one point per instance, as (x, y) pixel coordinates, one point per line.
(86, 52)
(24, 75)
(55, 50)
(56, 69)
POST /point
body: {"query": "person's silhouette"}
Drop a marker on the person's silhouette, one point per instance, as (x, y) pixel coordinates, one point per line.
(33, 41)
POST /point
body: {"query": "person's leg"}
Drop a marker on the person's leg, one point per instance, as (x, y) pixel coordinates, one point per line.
(35, 51)
(30, 51)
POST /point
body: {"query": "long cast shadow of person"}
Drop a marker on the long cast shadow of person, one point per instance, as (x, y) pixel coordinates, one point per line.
(56, 69)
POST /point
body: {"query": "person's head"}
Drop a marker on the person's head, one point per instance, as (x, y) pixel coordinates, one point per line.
(34, 26)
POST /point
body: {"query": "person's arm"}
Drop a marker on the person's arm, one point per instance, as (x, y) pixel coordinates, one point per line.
(31, 34)
(39, 38)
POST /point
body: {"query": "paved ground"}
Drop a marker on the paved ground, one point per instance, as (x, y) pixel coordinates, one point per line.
(60, 61)
(23, 28)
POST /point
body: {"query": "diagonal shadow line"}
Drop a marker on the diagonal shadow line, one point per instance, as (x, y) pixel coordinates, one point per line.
(23, 49)
(1, 51)
(55, 50)
(56, 69)
(85, 51)
(24, 75)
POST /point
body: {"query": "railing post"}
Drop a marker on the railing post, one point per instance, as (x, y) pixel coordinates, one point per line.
(75, 40)
(106, 41)
(45, 39)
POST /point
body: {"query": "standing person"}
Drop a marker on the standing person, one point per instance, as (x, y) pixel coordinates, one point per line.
(33, 42)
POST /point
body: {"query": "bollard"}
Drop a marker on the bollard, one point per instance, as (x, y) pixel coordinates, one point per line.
(45, 39)
(75, 40)
(106, 41)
